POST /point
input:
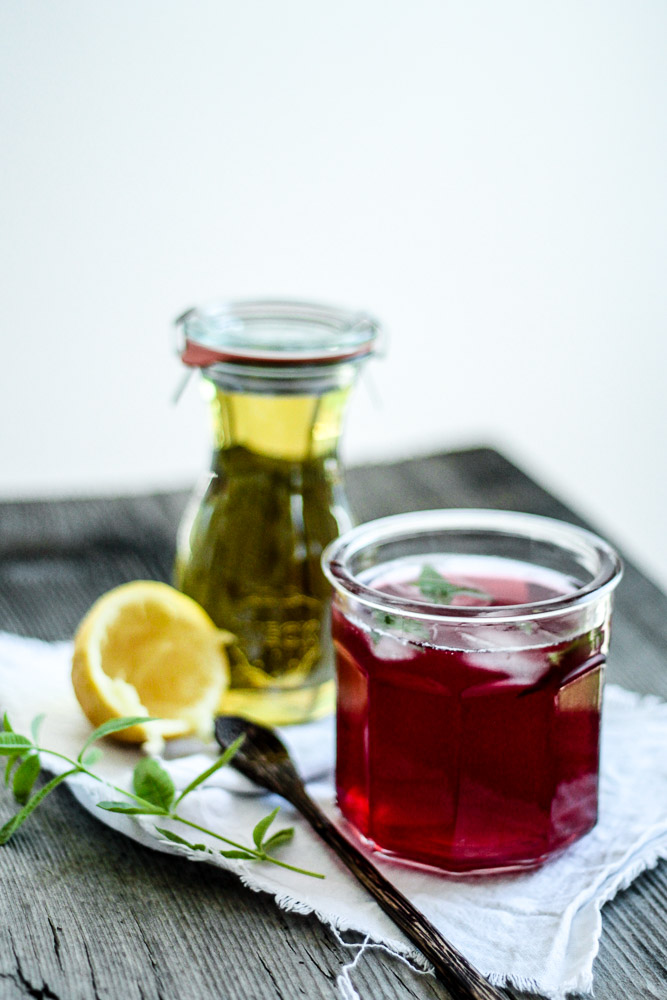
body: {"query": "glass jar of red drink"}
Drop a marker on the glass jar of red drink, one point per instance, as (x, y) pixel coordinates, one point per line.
(470, 649)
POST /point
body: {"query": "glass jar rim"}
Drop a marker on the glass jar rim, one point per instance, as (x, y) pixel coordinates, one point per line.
(274, 332)
(338, 555)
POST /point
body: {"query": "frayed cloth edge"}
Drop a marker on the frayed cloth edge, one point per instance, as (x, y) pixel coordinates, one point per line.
(653, 852)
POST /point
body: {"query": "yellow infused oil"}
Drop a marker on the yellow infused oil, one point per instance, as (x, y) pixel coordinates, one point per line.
(250, 550)
(292, 428)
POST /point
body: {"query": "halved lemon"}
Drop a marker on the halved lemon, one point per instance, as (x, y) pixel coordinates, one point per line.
(145, 649)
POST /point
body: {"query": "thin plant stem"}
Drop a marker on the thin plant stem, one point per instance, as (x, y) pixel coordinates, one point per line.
(260, 855)
(82, 769)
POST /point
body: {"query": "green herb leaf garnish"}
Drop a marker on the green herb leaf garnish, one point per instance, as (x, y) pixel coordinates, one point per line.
(222, 760)
(12, 743)
(112, 726)
(154, 793)
(583, 646)
(140, 809)
(25, 777)
(440, 591)
(152, 783)
(399, 623)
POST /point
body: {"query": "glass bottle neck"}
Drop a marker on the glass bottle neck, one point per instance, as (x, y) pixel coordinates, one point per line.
(292, 428)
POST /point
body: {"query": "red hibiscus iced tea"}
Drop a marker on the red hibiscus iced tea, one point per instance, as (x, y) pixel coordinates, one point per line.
(470, 648)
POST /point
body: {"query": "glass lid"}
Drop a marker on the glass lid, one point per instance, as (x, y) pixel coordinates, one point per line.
(268, 332)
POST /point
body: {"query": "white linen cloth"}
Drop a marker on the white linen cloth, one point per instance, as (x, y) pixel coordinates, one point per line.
(538, 931)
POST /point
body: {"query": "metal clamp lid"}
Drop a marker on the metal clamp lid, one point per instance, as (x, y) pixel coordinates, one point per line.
(274, 333)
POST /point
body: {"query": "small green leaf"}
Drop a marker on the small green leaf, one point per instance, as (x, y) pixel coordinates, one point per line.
(10, 764)
(174, 837)
(133, 810)
(180, 840)
(434, 586)
(25, 777)
(36, 725)
(15, 822)
(263, 826)
(113, 726)
(94, 756)
(408, 626)
(152, 783)
(220, 762)
(11, 742)
(238, 854)
(6, 725)
(279, 838)
(227, 754)
(584, 646)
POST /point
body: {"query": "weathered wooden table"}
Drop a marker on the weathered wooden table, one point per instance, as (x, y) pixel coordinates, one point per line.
(86, 913)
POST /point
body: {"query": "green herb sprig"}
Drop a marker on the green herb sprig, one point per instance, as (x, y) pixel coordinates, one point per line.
(439, 590)
(154, 791)
(398, 623)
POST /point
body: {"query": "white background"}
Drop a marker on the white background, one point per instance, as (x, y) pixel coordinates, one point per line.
(488, 178)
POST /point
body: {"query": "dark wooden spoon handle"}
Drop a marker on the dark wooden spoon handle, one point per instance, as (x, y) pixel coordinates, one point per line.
(452, 969)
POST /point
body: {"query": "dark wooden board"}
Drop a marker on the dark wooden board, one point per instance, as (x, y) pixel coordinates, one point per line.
(85, 913)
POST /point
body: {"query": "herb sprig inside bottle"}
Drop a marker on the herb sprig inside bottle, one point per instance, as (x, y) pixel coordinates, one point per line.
(154, 792)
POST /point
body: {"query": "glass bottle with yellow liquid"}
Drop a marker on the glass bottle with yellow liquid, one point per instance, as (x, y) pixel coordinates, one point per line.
(277, 376)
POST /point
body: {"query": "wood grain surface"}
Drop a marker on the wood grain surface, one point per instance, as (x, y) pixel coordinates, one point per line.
(87, 914)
